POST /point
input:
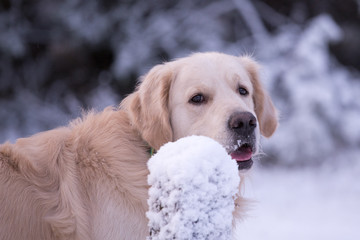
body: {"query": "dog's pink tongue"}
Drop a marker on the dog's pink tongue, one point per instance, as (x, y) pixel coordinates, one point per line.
(242, 154)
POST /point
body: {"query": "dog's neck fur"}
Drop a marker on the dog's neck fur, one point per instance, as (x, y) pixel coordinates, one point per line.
(111, 157)
(120, 157)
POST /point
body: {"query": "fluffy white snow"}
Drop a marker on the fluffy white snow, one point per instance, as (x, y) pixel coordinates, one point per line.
(193, 183)
(298, 204)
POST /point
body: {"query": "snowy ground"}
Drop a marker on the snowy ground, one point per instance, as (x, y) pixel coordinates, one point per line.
(303, 204)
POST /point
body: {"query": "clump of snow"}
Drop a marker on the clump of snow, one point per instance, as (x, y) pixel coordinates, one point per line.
(193, 185)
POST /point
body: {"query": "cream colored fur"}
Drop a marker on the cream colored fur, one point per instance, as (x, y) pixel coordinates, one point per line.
(89, 180)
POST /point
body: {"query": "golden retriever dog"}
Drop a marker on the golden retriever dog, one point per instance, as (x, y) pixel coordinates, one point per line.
(88, 180)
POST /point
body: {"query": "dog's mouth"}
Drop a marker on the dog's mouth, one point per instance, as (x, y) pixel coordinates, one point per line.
(243, 156)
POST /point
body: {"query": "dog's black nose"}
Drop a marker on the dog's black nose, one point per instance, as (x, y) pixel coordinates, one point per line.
(243, 123)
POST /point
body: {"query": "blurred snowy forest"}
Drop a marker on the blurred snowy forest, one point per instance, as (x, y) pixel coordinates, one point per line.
(59, 57)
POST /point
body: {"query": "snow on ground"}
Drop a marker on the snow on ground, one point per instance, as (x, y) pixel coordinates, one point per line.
(193, 182)
(300, 204)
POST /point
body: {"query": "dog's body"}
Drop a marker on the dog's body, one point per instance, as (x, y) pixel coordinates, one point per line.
(89, 180)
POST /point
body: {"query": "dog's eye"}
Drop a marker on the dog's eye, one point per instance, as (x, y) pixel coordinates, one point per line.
(197, 99)
(243, 91)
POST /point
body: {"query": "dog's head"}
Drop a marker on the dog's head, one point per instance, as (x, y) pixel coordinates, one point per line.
(209, 94)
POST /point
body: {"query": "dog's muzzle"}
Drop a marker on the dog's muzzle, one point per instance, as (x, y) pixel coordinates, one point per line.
(242, 125)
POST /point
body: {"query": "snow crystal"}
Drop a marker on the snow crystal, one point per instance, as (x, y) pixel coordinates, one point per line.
(193, 185)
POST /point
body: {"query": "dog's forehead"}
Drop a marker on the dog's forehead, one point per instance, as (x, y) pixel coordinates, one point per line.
(206, 69)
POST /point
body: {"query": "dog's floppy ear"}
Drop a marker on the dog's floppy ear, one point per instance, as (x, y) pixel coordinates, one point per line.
(264, 108)
(147, 107)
